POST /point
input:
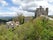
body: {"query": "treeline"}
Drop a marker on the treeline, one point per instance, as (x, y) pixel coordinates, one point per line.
(4, 21)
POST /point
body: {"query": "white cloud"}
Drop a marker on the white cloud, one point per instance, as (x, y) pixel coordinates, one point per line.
(14, 9)
(3, 2)
(27, 4)
(26, 7)
(50, 0)
(3, 14)
(19, 11)
(30, 5)
(0, 8)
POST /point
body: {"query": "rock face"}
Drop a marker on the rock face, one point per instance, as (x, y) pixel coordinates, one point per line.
(41, 11)
(12, 24)
(46, 17)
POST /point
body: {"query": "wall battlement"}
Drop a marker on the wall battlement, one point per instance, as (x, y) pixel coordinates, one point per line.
(41, 11)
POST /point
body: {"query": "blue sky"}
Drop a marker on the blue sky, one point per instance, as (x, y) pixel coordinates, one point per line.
(14, 7)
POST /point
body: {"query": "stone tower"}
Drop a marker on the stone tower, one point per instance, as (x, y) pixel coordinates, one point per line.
(41, 11)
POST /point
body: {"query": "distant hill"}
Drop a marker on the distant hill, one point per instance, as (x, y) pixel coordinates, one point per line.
(6, 18)
(50, 16)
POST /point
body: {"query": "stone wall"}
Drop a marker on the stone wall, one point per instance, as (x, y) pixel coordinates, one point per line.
(41, 11)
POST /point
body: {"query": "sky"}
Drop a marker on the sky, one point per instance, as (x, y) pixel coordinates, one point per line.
(26, 7)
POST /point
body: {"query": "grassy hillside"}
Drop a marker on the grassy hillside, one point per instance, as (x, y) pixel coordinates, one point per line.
(37, 29)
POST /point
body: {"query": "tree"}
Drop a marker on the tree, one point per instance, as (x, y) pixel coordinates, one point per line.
(19, 18)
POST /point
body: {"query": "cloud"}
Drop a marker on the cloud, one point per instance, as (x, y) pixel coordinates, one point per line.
(19, 11)
(3, 2)
(27, 7)
(13, 9)
(25, 4)
(31, 5)
(3, 14)
(50, 9)
(0, 8)
(50, 0)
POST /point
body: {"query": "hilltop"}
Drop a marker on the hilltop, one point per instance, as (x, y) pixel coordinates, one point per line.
(39, 28)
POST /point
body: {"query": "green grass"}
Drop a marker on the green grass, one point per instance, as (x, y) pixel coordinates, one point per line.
(37, 29)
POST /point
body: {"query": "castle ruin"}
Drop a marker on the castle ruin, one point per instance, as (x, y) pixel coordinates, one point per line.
(41, 11)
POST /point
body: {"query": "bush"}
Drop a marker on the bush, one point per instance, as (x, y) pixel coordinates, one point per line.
(40, 29)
